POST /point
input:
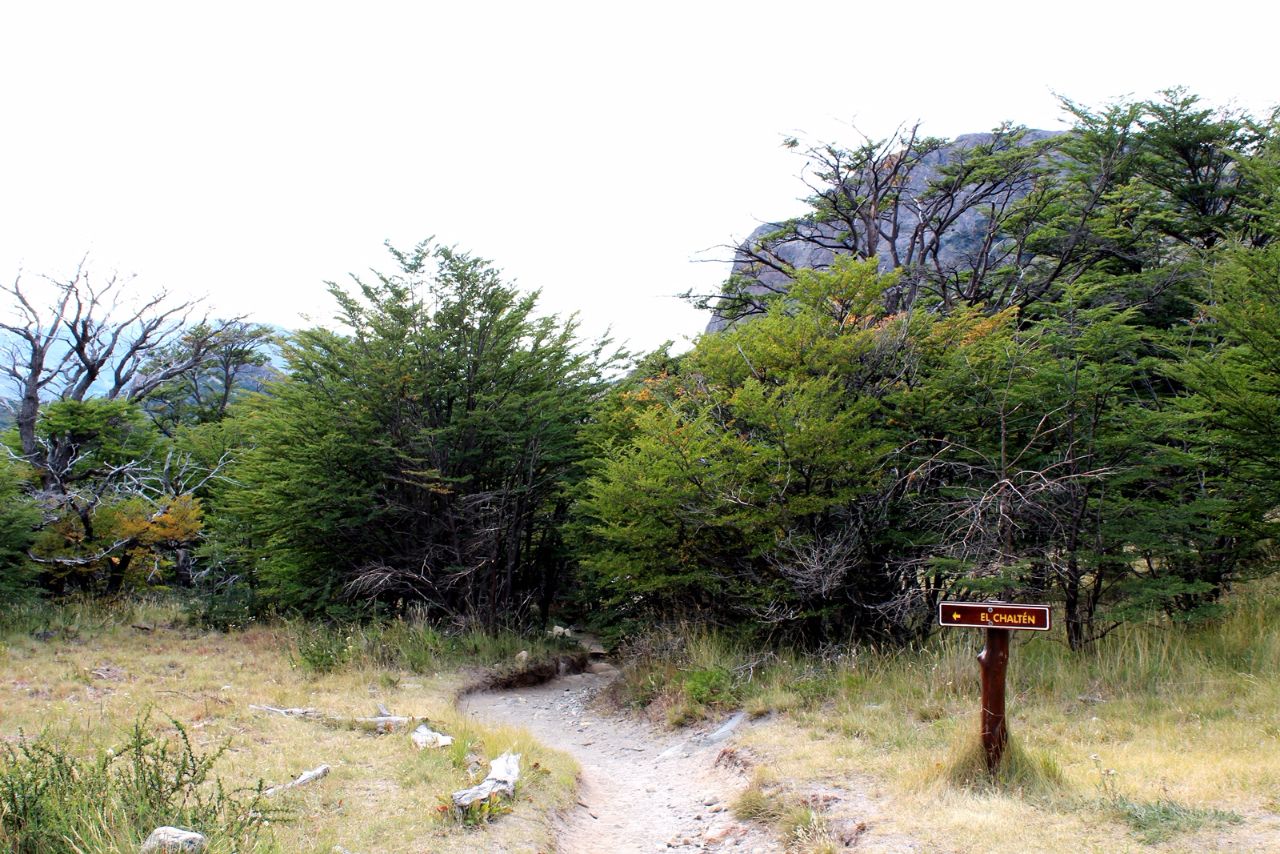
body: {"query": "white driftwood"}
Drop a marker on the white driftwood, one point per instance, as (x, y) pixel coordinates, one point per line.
(501, 783)
(424, 737)
(378, 725)
(287, 713)
(302, 780)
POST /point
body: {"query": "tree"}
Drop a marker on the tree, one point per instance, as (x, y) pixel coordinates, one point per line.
(1235, 387)
(121, 496)
(1042, 467)
(19, 518)
(109, 489)
(746, 481)
(1004, 415)
(421, 455)
(93, 341)
(953, 217)
(234, 363)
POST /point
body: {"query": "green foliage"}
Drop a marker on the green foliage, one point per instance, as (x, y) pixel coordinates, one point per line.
(1156, 821)
(225, 607)
(229, 361)
(113, 496)
(765, 441)
(19, 518)
(1236, 384)
(708, 686)
(322, 649)
(869, 443)
(52, 801)
(421, 456)
(1034, 366)
(414, 644)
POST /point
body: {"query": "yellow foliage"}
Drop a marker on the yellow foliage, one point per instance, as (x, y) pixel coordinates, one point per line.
(180, 522)
(987, 325)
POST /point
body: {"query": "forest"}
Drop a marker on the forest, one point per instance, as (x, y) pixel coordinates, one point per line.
(1042, 367)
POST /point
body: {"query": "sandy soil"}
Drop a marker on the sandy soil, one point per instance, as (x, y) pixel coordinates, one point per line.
(642, 790)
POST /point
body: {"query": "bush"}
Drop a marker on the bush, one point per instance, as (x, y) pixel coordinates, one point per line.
(414, 644)
(322, 649)
(709, 686)
(52, 801)
(228, 608)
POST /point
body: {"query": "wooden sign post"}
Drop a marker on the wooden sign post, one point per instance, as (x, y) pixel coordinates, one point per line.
(998, 618)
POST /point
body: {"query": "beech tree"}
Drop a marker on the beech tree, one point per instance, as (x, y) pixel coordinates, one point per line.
(109, 489)
(1062, 305)
(954, 218)
(420, 455)
(1235, 392)
(746, 481)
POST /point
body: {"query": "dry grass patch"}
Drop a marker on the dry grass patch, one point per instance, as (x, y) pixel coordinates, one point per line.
(86, 687)
(1162, 737)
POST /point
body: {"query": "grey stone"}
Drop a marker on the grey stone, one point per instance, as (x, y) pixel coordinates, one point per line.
(174, 840)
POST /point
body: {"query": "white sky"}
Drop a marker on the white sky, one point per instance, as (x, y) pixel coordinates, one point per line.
(250, 151)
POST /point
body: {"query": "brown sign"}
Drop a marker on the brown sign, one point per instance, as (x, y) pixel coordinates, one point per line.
(994, 615)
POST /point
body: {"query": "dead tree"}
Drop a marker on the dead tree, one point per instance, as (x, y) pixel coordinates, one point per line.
(954, 217)
(80, 339)
(93, 340)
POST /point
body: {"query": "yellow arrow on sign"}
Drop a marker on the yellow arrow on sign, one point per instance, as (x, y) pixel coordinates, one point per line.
(955, 615)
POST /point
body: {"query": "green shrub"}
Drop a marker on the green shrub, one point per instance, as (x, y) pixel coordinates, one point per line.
(52, 801)
(414, 645)
(321, 649)
(706, 687)
(228, 608)
(1156, 821)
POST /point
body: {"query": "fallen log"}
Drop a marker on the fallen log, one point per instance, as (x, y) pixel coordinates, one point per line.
(287, 713)
(303, 779)
(479, 801)
(378, 725)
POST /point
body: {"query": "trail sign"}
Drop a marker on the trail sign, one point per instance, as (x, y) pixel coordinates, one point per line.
(997, 618)
(994, 615)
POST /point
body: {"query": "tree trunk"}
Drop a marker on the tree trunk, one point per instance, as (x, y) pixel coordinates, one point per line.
(1071, 609)
(115, 577)
(182, 567)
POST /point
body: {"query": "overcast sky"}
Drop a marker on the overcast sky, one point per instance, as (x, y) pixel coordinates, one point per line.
(251, 151)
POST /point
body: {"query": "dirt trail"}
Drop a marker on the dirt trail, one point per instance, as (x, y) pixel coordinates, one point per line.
(642, 790)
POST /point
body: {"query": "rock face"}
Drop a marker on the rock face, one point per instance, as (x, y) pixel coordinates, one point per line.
(810, 248)
(174, 840)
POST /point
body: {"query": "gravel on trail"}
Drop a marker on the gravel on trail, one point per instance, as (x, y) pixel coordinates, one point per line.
(642, 789)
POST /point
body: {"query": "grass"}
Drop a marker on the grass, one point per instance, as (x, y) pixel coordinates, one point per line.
(82, 674)
(414, 646)
(1186, 720)
(52, 800)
